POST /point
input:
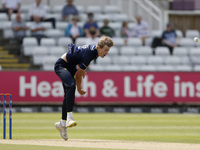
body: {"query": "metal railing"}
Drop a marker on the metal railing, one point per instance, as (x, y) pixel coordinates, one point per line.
(150, 12)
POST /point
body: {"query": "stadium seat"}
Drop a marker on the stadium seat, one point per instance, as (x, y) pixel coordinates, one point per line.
(156, 33)
(196, 68)
(138, 60)
(113, 51)
(101, 17)
(144, 50)
(29, 23)
(186, 42)
(94, 9)
(127, 50)
(47, 25)
(47, 8)
(179, 33)
(135, 42)
(57, 51)
(119, 17)
(30, 41)
(115, 25)
(8, 33)
(100, 24)
(180, 51)
(155, 60)
(61, 25)
(172, 60)
(130, 68)
(105, 60)
(7, 25)
(27, 50)
(93, 67)
(119, 41)
(54, 33)
(148, 41)
(121, 60)
(80, 24)
(81, 41)
(3, 17)
(191, 33)
(162, 51)
(165, 68)
(113, 68)
(80, 9)
(24, 8)
(195, 51)
(28, 44)
(64, 41)
(183, 68)
(110, 9)
(147, 68)
(195, 60)
(48, 63)
(7, 29)
(48, 42)
(13, 17)
(185, 60)
(57, 8)
(38, 54)
(131, 25)
(57, 16)
(83, 17)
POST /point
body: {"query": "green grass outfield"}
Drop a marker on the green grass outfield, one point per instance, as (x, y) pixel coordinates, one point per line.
(180, 128)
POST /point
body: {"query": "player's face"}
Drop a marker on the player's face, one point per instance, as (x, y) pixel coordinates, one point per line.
(102, 52)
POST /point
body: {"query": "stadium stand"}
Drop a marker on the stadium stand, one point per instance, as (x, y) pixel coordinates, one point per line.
(132, 55)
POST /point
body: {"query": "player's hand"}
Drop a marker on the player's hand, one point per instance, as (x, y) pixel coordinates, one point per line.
(82, 92)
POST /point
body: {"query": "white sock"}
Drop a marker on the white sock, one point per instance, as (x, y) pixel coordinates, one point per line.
(63, 123)
(69, 115)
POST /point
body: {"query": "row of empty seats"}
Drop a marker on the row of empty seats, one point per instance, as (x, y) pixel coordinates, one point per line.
(170, 68)
(118, 57)
(134, 47)
(187, 46)
(47, 64)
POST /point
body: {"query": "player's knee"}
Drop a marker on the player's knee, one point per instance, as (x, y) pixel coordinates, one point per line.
(72, 85)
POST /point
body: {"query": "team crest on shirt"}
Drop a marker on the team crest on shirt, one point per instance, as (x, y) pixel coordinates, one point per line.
(93, 47)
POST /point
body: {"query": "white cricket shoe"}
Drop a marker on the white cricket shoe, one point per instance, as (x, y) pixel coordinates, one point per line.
(71, 123)
(62, 130)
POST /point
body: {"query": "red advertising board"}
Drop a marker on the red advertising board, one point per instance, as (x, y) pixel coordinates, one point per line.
(105, 87)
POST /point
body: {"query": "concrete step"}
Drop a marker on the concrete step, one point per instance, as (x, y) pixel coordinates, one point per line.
(12, 60)
(7, 56)
(25, 65)
(16, 69)
(4, 52)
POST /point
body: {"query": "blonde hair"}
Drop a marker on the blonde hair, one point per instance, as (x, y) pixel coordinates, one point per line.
(105, 40)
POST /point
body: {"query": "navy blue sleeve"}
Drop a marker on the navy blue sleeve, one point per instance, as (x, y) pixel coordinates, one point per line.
(85, 62)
